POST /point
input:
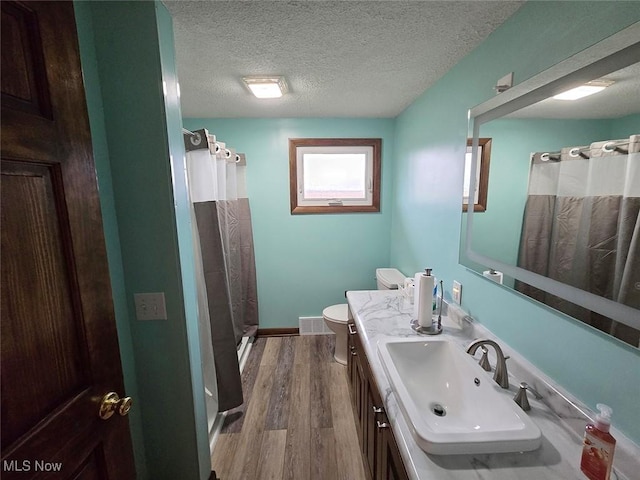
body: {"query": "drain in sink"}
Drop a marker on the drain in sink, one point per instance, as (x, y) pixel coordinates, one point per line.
(438, 409)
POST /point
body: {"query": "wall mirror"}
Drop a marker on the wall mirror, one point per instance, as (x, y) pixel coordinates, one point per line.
(564, 188)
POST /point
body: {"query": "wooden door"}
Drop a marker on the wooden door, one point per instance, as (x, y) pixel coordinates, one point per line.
(59, 350)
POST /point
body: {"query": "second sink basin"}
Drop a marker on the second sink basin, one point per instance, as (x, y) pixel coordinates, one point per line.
(451, 405)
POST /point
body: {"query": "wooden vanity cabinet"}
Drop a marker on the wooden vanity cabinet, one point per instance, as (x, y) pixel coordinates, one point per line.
(378, 446)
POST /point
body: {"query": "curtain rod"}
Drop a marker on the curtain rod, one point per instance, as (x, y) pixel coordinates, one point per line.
(613, 146)
(240, 157)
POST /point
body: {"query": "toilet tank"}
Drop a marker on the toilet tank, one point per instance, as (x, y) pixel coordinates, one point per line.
(389, 278)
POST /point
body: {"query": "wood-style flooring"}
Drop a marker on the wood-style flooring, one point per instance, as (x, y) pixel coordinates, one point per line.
(296, 422)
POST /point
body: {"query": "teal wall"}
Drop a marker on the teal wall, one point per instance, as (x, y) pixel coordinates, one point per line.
(626, 126)
(305, 263)
(428, 172)
(182, 212)
(127, 53)
(84, 23)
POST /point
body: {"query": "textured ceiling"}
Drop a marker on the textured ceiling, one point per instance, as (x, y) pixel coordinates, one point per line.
(340, 58)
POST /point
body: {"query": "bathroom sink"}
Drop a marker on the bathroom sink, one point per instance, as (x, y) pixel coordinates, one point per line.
(453, 406)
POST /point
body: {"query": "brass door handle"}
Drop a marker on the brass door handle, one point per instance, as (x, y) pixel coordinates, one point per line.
(112, 403)
(124, 406)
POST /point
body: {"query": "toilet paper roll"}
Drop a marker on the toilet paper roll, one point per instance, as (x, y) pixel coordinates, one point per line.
(493, 275)
(425, 303)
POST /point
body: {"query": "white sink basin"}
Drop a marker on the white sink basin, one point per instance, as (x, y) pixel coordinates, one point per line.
(435, 384)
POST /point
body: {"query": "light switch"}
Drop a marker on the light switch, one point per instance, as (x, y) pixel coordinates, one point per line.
(150, 306)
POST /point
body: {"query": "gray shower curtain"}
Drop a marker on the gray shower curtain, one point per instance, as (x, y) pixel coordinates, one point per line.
(237, 244)
(224, 343)
(222, 227)
(581, 226)
(247, 270)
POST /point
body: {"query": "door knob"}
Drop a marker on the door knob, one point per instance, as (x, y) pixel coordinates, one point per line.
(112, 403)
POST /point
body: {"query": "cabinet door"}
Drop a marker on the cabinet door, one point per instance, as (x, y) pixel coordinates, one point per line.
(351, 364)
(356, 382)
(378, 447)
(372, 406)
(361, 403)
(372, 434)
(389, 462)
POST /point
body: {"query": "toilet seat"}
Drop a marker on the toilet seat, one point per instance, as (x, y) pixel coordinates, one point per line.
(337, 313)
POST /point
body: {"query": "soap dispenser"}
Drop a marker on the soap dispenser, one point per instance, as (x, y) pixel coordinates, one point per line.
(598, 446)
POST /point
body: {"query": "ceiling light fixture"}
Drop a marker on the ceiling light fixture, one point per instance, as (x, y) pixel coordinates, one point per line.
(266, 87)
(588, 88)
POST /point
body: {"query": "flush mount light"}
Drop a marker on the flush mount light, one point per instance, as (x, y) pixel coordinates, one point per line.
(588, 88)
(266, 87)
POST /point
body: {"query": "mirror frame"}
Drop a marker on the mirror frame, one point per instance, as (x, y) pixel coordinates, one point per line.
(613, 53)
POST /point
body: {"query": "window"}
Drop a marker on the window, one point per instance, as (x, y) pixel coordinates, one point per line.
(334, 175)
(481, 177)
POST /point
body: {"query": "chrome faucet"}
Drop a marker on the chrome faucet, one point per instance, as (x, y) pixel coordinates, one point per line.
(501, 377)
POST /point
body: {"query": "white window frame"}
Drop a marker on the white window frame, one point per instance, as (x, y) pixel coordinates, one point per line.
(371, 147)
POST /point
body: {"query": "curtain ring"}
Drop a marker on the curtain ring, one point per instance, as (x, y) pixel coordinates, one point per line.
(574, 152)
(227, 153)
(217, 147)
(237, 158)
(195, 139)
(609, 147)
(544, 157)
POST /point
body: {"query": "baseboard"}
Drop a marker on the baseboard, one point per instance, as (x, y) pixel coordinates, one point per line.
(277, 332)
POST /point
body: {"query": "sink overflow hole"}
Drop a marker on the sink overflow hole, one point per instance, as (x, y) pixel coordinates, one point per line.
(438, 410)
(476, 381)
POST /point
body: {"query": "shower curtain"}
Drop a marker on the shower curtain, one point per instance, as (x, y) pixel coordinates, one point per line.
(582, 227)
(221, 220)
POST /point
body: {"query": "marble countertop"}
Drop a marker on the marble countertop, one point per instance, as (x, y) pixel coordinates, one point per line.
(561, 418)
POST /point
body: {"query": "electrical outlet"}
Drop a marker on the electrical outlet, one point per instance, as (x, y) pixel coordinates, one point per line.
(456, 292)
(150, 306)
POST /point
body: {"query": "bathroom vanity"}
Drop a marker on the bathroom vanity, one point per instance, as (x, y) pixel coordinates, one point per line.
(387, 440)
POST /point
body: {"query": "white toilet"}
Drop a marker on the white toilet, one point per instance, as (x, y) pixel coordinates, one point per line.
(337, 316)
